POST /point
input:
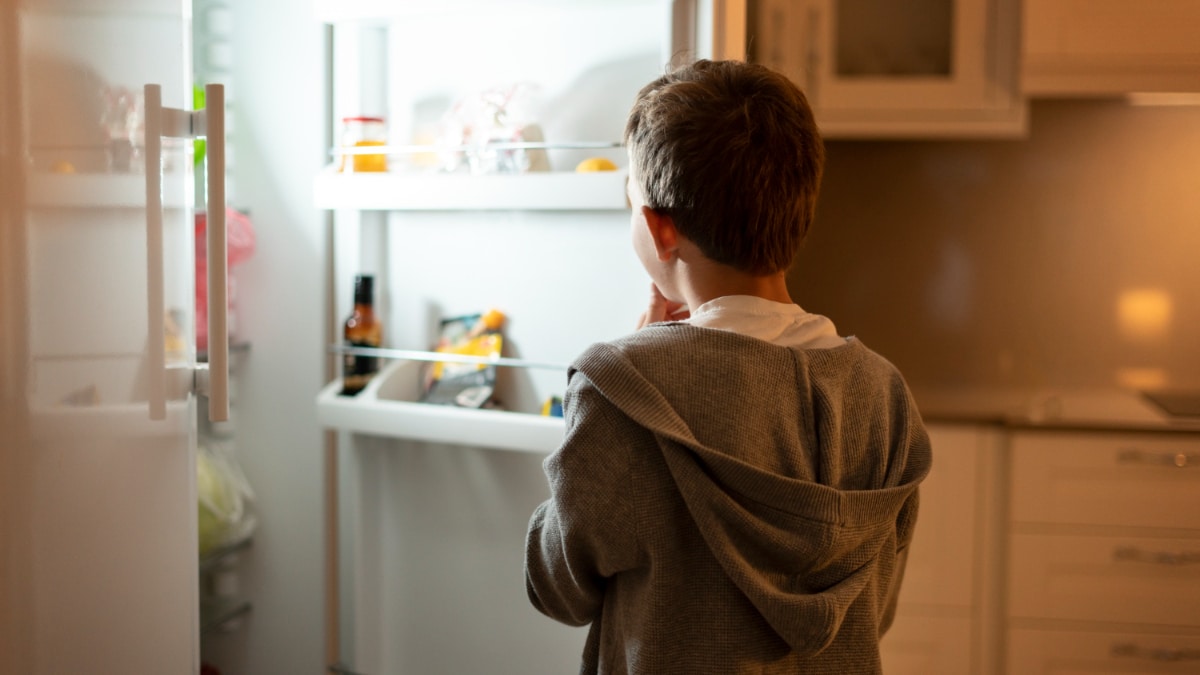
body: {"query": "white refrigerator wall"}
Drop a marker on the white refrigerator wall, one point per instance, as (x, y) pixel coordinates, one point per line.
(278, 123)
(433, 535)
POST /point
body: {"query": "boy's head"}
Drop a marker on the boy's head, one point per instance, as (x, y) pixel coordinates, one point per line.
(730, 151)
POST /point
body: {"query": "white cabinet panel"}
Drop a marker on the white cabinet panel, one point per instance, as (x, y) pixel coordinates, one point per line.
(925, 645)
(947, 618)
(941, 560)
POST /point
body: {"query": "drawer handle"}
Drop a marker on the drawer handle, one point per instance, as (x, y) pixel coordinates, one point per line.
(1135, 554)
(1160, 654)
(1181, 460)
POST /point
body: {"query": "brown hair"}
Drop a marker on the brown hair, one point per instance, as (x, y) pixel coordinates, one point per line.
(730, 151)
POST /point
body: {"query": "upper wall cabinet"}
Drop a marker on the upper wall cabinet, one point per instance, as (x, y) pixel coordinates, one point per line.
(881, 68)
(1100, 47)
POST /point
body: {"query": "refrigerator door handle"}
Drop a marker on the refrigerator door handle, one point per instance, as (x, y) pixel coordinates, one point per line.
(156, 338)
(218, 292)
(212, 379)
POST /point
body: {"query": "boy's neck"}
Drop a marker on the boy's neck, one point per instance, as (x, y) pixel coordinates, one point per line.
(709, 280)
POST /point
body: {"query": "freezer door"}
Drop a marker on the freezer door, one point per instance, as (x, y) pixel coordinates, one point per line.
(98, 416)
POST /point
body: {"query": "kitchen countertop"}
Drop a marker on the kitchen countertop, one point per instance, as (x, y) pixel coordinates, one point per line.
(1084, 408)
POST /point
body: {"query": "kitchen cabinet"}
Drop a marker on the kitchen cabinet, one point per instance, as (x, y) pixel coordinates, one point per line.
(1104, 551)
(945, 617)
(1106, 47)
(879, 69)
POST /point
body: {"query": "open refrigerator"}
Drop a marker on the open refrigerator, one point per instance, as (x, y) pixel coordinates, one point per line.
(427, 505)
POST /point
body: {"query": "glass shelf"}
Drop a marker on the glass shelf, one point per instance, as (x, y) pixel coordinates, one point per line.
(210, 561)
(336, 11)
(444, 357)
(554, 190)
(215, 613)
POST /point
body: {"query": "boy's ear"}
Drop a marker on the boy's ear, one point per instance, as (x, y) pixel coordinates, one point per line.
(662, 231)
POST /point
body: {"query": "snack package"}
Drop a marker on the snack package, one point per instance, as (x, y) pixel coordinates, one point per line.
(552, 407)
(468, 385)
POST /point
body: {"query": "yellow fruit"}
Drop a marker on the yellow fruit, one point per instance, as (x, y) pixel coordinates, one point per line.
(595, 164)
(492, 319)
(63, 166)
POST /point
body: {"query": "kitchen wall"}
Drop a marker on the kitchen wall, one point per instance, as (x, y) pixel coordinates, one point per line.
(1071, 257)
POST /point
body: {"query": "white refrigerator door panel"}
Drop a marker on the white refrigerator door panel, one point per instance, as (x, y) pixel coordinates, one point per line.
(107, 599)
(100, 498)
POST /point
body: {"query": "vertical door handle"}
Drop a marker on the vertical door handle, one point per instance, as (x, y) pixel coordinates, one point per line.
(218, 291)
(169, 122)
(156, 338)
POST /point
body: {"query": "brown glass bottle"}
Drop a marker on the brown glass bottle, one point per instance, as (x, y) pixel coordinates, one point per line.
(361, 329)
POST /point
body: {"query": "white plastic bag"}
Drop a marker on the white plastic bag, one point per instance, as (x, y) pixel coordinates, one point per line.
(224, 497)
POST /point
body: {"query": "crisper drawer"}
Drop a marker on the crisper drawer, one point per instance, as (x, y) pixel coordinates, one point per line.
(1143, 480)
(927, 645)
(1055, 652)
(1146, 580)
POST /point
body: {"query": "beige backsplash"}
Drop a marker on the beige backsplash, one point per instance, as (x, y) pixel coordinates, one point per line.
(1071, 257)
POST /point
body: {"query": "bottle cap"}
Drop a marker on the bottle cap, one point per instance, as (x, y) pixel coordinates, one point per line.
(364, 289)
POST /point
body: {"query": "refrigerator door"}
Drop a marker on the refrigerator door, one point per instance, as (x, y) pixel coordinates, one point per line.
(96, 341)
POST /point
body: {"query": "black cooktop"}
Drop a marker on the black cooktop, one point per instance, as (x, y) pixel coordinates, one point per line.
(1176, 403)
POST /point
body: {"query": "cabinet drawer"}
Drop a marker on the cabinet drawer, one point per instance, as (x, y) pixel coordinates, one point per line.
(1054, 652)
(1106, 479)
(927, 645)
(1146, 580)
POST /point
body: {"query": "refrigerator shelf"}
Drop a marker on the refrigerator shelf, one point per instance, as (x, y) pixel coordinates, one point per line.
(98, 190)
(388, 407)
(550, 191)
(126, 420)
(445, 357)
(217, 612)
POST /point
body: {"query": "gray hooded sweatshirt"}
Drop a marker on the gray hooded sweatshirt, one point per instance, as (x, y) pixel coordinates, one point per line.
(724, 505)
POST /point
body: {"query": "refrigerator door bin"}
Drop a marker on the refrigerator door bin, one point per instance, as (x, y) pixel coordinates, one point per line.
(390, 407)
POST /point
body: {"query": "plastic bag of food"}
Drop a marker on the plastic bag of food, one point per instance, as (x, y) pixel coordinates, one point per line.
(224, 498)
(469, 385)
(486, 123)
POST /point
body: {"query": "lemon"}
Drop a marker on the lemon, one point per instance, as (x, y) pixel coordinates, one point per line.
(595, 164)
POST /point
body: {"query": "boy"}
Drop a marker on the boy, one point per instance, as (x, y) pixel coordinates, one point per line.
(737, 487)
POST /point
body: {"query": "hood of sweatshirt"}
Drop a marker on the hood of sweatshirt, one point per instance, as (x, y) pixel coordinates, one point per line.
(805, 487)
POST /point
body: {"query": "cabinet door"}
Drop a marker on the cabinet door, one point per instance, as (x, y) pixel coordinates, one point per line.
(926, 645)
(1110, 46)
(870, 67)
(941, 561)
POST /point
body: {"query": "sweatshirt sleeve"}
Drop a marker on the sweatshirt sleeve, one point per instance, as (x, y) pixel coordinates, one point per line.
(585, 533)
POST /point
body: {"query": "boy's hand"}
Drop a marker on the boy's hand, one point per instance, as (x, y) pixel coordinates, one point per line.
(662, 309)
